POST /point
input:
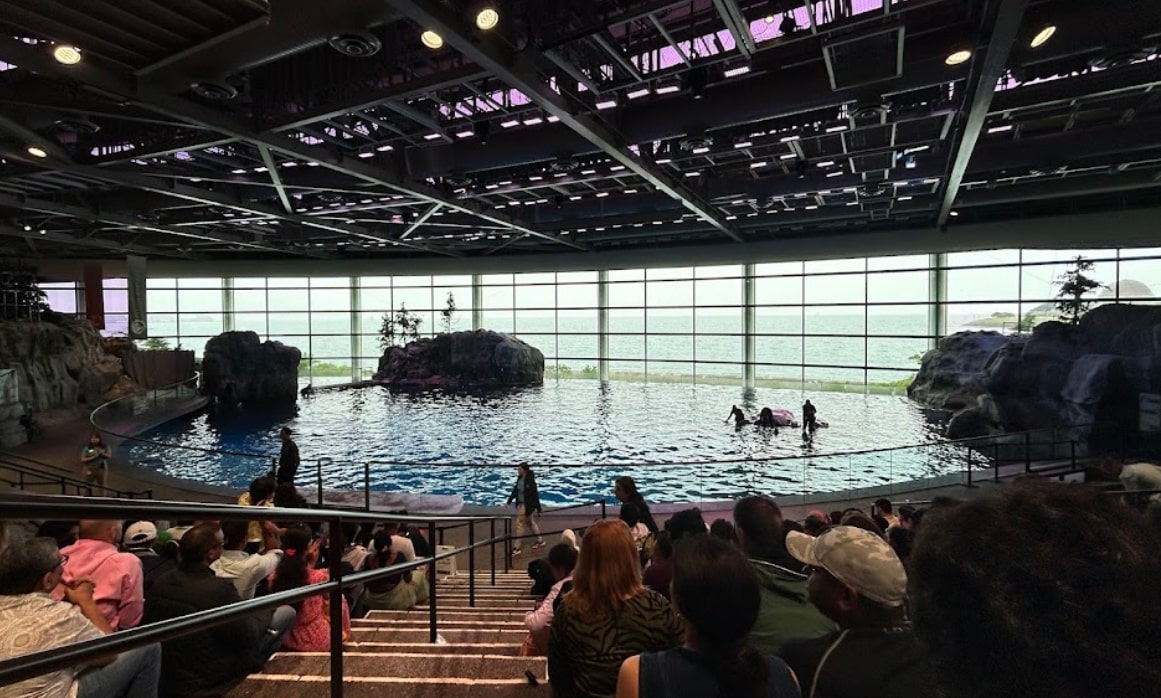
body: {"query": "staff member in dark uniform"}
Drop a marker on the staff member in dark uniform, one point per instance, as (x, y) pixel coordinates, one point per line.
(809, 423)
(527, 499)
(287, 458)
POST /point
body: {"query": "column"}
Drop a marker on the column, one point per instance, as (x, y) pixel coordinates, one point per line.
(228, 304)
(750, 327)
(603, 324)
(937, 294)
(477, 302)
(356, 330)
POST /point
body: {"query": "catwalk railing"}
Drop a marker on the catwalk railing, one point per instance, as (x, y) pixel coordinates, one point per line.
(21, 507)
(31, 475)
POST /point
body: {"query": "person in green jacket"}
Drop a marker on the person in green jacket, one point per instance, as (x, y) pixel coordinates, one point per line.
(786, 613)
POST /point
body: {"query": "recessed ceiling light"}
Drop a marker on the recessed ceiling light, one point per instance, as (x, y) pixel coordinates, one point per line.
(487, 18)
(36, 152)
(958, 57)
(431, 40)
(69, 55)
(1043, 36)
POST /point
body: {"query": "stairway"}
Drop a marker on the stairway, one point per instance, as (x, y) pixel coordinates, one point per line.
(476, 655)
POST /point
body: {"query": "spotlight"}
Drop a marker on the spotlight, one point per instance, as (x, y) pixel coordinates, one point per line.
(958, 57)
(487, 18)
(788, 25)
(431, 40)
(36, 152)
(1043, 36)
(68, 55)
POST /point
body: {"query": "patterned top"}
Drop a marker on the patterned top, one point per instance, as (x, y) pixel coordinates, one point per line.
(312, 628)
(33, 622)
(585, 654)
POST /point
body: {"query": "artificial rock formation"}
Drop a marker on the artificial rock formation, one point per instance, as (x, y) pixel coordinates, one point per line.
(480, 359)
(237, 368)
(1060, 376)
(60, 365)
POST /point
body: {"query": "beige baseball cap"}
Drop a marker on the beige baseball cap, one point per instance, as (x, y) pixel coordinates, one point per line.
(856, 557)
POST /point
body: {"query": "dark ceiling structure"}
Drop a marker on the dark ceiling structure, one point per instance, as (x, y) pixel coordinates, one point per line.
(264, 129)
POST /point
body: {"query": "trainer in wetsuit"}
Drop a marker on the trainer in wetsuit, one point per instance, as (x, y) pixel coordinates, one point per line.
(808, 418)
(738, 416)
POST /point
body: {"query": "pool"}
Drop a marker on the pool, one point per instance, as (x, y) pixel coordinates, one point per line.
(661, 434)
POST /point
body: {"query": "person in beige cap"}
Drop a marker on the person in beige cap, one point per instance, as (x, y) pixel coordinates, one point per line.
(857, 581)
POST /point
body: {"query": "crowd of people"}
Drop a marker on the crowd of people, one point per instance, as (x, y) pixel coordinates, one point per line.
(1041, 589)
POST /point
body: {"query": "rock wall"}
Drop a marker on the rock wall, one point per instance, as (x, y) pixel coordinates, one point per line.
(237, 368)
(60, 365)
(1060, 376)
(480, 359)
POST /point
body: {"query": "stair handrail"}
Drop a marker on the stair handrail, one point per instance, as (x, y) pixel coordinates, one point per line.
(65, 481)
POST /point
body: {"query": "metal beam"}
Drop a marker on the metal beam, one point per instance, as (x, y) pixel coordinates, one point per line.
(420, 221)
(99, 243)
(669, 39)
(275, 178)
(519, 72)
(737, 25)
(97, 78)
(980, 90)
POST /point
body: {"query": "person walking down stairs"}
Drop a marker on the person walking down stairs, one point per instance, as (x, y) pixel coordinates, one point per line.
(527, 499)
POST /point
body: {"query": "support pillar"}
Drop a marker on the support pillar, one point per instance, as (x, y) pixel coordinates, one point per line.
(603, 324)
(228, 304)
(749, 327)
(477, 302)
(937, 294)
(356, 330)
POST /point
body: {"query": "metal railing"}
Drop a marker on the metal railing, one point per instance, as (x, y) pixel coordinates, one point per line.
(27, 478)
(23, 667)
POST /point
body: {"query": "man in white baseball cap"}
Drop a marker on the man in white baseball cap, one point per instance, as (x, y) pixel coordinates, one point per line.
(857, 581)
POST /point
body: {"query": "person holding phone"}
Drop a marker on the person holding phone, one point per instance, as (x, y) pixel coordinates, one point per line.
(95, 461)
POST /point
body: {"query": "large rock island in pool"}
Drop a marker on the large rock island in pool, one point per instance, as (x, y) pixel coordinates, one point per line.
(480, 359)
(239, 368)
(1063, 375)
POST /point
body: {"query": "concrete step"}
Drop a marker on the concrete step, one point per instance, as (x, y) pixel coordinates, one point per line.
(482, 614)
(459, 604)
(454, 635)
(291, 686)
(462, 648)
(370, 664)
(421, 623)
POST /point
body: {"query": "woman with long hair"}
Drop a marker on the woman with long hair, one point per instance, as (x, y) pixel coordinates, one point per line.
(626, 491)
(391, 593)
(95, 461)
(312, 627)
(717, 594)
(607, 617)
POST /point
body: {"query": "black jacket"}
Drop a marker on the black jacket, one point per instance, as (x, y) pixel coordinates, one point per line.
(208, 662)
(531, 494)
(871, 662)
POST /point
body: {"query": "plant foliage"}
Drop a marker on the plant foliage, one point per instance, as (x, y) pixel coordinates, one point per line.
(20, 294)
(445, 315)
(401, 327)
(1074, 285)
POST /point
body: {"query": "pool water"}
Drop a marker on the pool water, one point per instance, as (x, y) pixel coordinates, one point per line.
(467, 445)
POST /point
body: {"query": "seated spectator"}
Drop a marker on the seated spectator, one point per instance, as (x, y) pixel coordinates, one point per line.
(607, 617)
(659, 574)
(856, 518)
(1045, 590)
(907, 516)
(245, 570)
(883, 508)
(391, 593)
(835, 517)
(312, 626)
(786, 613)
(723, 529)
(687, 522)
(417, 578)
(814, 524)
(65, 533)
(354, 557)
(625, 490)
(718, 596)
(32, 621)
(857, 581)
(260, 494)
(139, 540)
(632, 518)
(118, 581)
(561, 561)
(900, 540)
(1139, 476)
(209, 662)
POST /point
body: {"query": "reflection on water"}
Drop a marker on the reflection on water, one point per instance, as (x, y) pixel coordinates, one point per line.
(666, 430)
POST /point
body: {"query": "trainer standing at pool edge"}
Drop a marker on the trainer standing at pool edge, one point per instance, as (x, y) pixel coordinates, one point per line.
(287, 458)
(527, 499)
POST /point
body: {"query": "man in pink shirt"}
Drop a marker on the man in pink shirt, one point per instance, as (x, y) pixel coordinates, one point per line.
(117, 577)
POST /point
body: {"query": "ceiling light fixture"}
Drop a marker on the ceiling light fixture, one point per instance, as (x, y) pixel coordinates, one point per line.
(465, 134)
(955, 213)
(957, 57)
(825, 163)
(744, 143)
(1000, 129)
(37, 152)
(553, 119)
(668, 88)
(836, 129)
(533, 120)
(433, 137)
(431, 39)
(365, 155)
(606, 104)
(487, 18)
(509, 123)
(639, 92)
(735, 71)
(70, 55)
(1043, 36)
(760, 163)
(701, 150)
(663, 161)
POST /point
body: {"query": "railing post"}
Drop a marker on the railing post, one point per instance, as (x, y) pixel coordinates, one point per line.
(996, 460)
(440, 536)
(969, 467)
(507, 545)
(367, 487)
(335, 561)
(431, 634)
(1072, 455)
(492, 537)
(472, 564)
(603, 512)
(318, 481)
(1027, 452)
